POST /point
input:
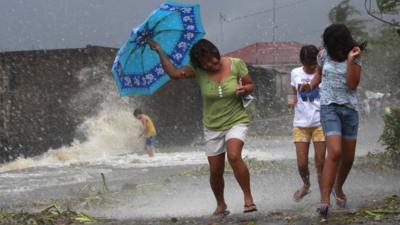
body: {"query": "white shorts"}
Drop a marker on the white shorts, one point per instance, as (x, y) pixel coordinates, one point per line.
(215, 141)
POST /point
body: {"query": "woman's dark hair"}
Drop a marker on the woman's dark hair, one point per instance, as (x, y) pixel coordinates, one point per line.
(338, 41)
(308, 55)
(203, 49)
(137, 112)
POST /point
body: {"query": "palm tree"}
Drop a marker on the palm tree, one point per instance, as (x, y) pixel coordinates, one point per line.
(343, 13)
(388, 6)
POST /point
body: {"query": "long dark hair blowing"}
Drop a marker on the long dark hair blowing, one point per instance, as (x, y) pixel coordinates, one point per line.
(201, 50)
(338, 41)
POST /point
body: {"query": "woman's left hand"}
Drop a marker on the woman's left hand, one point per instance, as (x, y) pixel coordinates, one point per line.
(244, 86)
(241, 90)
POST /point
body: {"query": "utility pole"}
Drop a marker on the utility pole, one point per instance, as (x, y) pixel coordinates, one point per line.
(273, 32)
(222, 19)
(256, 53)
(4, 100)
(273, 20)
(274, 52)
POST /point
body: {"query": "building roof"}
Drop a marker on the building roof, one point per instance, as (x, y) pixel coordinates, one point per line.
(268, 53)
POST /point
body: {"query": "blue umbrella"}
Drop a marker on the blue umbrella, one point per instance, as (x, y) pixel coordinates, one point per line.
(176, 27)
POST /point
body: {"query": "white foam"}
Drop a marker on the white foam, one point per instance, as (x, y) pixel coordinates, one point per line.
(180, 158)
(112, 131)
(111, 135)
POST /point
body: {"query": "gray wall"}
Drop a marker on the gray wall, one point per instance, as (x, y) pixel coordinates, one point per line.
(36, 87)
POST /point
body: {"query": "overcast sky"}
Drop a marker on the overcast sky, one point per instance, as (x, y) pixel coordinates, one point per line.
(49, 24)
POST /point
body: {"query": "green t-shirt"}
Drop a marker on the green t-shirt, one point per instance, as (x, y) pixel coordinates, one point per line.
(222, 108)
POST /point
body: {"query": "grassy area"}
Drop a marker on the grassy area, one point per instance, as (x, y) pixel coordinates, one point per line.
(386, 211)
(381, 212)
(51, 215)
(87, 197)
(254, 165)
(378, 161)
(92, 196)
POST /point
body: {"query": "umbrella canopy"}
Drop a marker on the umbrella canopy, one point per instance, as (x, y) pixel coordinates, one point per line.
(176, 27)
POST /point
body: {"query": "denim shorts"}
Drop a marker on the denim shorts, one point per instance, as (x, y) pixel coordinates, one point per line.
(339, 120)
(150, 142)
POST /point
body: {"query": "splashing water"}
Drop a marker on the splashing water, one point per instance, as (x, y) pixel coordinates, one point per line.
(111, 131)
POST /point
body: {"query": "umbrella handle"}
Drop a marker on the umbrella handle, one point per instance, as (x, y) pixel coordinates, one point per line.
(239, 81)
(153, 44)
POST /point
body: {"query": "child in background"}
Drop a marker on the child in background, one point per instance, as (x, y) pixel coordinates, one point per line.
(339, 73)
(306, 122)
(149, 131)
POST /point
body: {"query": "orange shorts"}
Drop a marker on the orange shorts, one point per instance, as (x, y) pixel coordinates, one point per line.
(314, 134)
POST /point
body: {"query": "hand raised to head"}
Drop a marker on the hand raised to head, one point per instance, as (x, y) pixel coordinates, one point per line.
(354, 53)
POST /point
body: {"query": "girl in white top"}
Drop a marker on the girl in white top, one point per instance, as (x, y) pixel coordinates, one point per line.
(306, 122)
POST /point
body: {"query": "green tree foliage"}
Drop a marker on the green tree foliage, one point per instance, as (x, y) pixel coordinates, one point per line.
(385, 7)
(381, 70)
(391, 134)
(344, 13)
(388, 6)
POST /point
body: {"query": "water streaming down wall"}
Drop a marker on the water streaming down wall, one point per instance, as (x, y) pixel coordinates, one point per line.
(52, 99)
(35, 105)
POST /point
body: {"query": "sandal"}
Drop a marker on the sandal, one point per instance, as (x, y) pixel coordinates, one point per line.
(250, 208)
(340, 202)
(300, 193)
(218, 217)
(322, 211)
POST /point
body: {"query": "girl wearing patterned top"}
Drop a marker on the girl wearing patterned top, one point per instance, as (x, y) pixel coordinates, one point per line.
(338, 76)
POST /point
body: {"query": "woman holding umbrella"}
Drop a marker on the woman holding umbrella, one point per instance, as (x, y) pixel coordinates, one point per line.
(223, 81)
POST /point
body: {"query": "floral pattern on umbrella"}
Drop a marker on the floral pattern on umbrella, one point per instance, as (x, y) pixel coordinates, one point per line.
(137, 68)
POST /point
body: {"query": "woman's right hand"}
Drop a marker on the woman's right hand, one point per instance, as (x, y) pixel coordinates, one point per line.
(170, 69)
(305, 87)
(354, 53)
(154, 45)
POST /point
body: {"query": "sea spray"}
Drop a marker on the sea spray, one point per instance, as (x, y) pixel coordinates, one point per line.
(108, 126)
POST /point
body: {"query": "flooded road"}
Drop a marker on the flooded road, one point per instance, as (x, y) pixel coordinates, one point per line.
(182, 191)
(175, 182)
